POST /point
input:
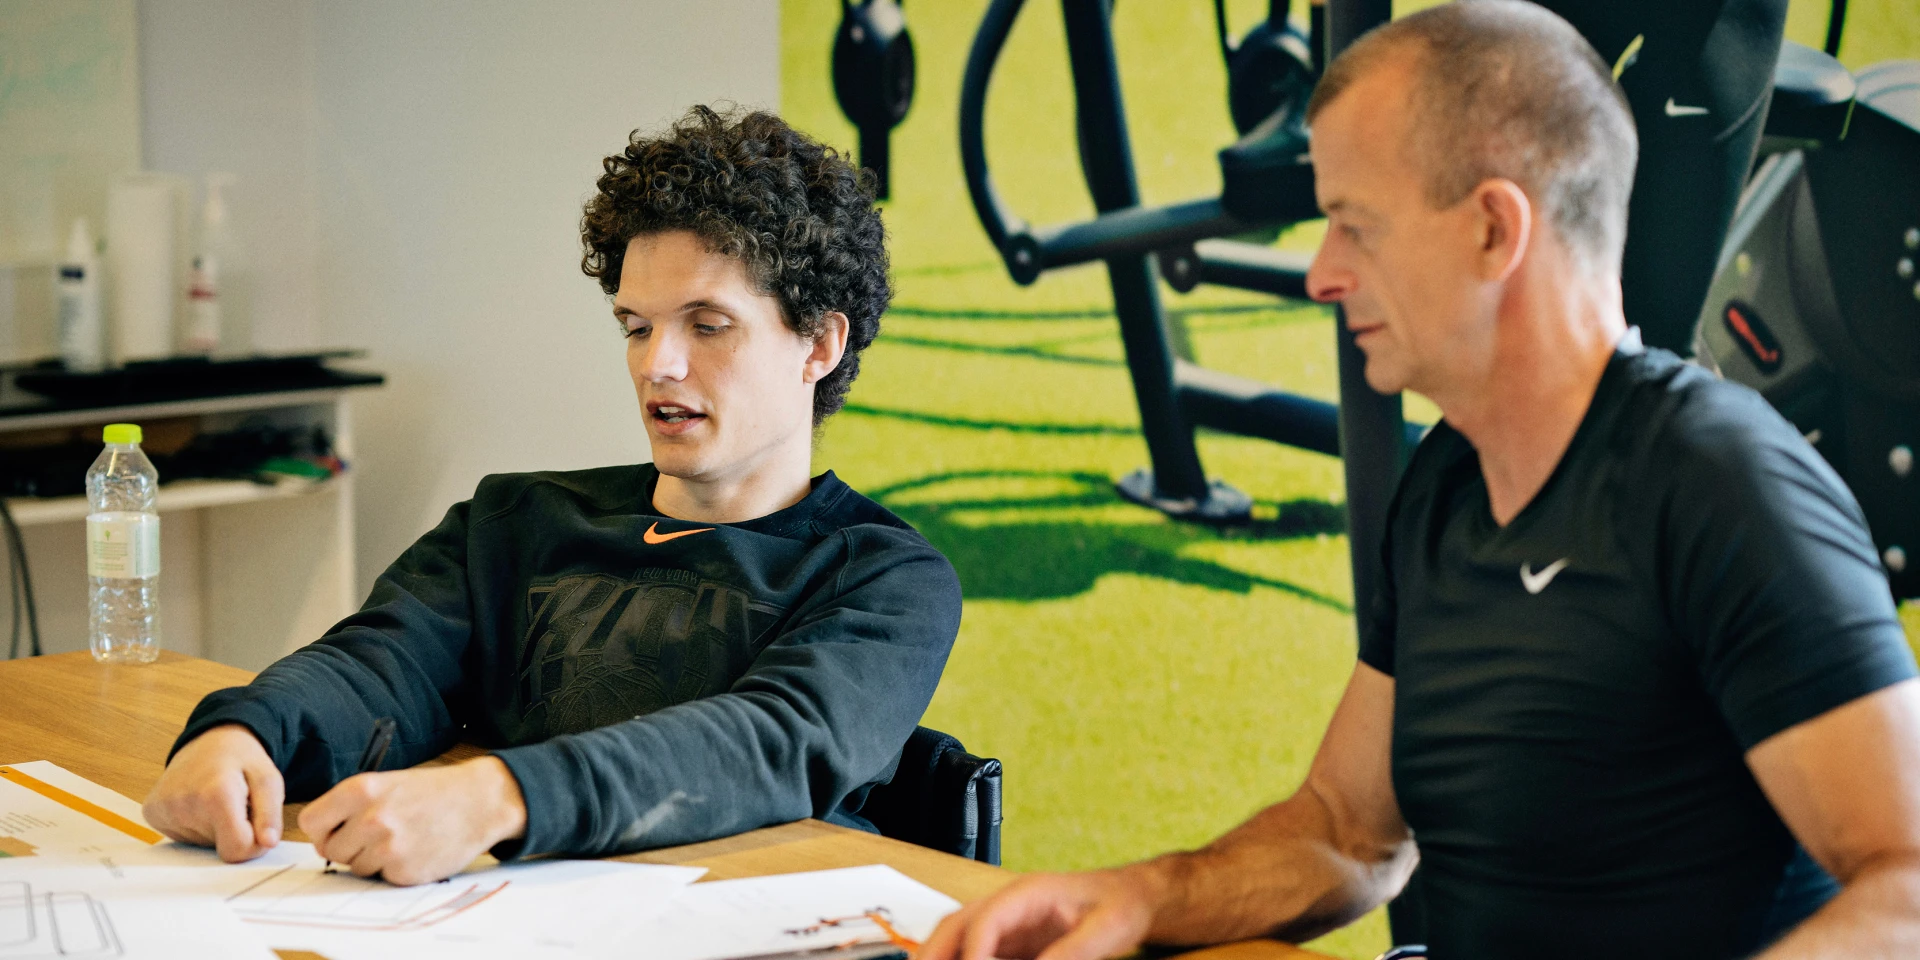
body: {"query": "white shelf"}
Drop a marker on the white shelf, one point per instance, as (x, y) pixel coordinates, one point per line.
(178, 495)
(172, 408)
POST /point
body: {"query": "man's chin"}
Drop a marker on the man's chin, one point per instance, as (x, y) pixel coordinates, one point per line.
(673, 460)
(1385, 378)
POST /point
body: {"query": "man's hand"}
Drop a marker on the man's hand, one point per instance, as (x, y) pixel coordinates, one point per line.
(1308, 864)
(222, 791)
(420, 825)
(1072, 916)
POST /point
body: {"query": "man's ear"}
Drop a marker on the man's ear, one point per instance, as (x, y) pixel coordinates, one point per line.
(1506, 226)
(828, 347)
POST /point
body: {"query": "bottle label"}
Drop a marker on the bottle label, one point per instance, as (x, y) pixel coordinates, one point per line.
(123, 545)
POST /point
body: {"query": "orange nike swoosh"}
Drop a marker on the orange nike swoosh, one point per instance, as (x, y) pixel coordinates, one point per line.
(651, 537)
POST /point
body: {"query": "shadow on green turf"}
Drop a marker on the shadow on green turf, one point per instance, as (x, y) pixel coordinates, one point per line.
(966, 423)
(1047, 558)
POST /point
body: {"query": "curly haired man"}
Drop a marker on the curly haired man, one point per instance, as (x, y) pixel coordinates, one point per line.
(657, 654)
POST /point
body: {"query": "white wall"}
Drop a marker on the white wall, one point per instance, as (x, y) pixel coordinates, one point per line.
(412, 175)
(227, 86)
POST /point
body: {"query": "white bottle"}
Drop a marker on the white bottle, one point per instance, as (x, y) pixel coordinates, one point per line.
(123, 551)
(83, 340)
(203, 290)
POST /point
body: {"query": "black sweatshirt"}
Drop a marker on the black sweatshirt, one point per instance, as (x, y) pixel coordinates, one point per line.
(648, 681)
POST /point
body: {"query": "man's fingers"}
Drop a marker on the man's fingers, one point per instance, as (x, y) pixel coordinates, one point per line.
(982, 941)
(324, 816)
(225, 808)
(1104, 933)
(944, 943)
(266, 792)
(175, 829)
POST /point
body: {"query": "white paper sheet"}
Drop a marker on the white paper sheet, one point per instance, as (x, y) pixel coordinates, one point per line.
(556, 907)
(54, 911)
(287, 898)
(796, 911)
(52, 830)
(48, 832)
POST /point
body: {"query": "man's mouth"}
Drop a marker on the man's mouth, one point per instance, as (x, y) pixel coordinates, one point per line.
(1361, 330)
(673, 414)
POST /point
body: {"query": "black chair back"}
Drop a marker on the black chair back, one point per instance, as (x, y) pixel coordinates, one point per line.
(941, 797)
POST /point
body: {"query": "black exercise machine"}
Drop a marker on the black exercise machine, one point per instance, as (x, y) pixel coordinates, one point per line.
(873, 78)
(1816, 302)
(1267, 182)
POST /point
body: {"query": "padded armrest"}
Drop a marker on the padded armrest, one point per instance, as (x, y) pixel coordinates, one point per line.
(941, 797)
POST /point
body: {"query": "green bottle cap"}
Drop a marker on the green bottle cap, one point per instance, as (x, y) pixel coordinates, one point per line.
(122, 433)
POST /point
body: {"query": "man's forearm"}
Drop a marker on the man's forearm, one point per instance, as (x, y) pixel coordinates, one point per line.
(1876, 915)
(1291, 871)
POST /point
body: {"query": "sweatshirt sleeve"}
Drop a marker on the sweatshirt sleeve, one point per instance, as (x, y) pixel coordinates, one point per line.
(400, 656)
(821, 712)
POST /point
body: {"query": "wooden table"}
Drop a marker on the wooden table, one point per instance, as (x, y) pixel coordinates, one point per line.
(113, 724)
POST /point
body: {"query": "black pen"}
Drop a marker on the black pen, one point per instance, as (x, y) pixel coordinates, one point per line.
(376, 751)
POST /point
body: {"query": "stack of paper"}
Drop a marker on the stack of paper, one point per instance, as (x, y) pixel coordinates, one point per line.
(82, 875)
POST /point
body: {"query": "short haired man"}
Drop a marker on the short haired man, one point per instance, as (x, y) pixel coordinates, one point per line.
(1633, 639)
(659, 653)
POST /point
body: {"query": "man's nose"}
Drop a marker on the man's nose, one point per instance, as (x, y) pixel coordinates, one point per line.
(1327, 281)
(666, 357)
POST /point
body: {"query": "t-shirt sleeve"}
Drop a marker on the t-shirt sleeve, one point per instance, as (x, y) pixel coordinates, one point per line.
(1768, 568)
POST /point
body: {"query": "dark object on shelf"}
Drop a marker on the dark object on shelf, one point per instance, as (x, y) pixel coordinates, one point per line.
(185, 378)
(244, 454)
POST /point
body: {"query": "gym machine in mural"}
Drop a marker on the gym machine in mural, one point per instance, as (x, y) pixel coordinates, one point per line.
(1781, 252)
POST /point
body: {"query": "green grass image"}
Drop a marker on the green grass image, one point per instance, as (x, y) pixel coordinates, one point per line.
(1148, 684)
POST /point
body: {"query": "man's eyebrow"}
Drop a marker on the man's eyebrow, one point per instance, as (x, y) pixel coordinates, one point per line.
(1350, 209)
(691, 305)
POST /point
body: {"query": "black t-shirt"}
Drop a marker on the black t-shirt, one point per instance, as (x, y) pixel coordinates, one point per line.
(1575, 692)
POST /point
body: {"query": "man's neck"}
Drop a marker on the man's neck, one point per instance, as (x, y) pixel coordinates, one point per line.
(1554, 336)
(779, 481)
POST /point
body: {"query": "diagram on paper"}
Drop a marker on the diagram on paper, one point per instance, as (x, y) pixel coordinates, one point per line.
(53, 924)
(306, 897)
(873, 925)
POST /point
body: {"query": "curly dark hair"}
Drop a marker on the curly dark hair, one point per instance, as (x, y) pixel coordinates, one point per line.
(792, 209)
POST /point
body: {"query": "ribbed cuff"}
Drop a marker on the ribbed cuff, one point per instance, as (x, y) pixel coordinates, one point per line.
(232, 706)
(547, 777)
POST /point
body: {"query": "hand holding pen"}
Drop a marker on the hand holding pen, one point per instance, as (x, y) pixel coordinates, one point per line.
(375, 753)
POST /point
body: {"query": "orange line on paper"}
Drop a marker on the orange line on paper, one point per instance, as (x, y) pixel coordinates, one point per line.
(466, 900)
(140, 832)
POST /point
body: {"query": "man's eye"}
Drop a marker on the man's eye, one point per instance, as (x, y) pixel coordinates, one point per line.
(635, 332)
(708, 329)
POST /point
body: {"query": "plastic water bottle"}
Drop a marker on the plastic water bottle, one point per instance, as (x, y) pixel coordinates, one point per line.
(123, 551)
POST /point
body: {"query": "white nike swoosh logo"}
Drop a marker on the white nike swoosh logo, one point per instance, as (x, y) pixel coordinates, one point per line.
(1536, 582)
(1676, 110)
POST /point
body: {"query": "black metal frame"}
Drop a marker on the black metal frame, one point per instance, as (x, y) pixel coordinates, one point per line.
(1175, 395)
